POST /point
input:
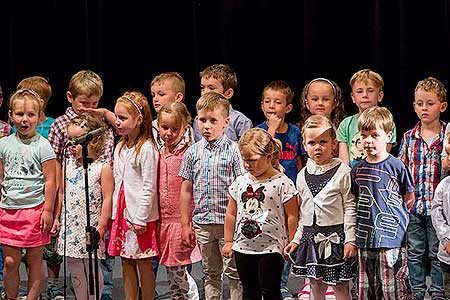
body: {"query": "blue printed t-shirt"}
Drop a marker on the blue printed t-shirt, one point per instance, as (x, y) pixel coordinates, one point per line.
(348, 133)
(292, 149)
(23, 178)
(382, 216)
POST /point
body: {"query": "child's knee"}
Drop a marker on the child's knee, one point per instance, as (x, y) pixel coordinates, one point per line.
(11, 262)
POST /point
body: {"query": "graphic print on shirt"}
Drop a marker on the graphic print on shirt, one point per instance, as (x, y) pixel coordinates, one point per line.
(381, 208)
(288, 152)
(19, 166)
(356, 149)
(253, 213)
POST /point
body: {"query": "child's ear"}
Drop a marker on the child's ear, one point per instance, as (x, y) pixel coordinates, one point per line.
(227, 120)
(442, 109)
(389, 135)
(179, 97)
(10, 114)
(353, 99)
(380, 96)
(228, 93)
(69, 97)
(289, 108)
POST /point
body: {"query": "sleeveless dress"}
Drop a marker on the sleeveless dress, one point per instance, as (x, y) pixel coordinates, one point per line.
(73, 223)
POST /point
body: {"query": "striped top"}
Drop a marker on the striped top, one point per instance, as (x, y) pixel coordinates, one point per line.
(211, 167)
(424, 163)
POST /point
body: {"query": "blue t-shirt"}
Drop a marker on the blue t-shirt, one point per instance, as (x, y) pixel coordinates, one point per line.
(292, 148)
(23, 176)
(382, 216)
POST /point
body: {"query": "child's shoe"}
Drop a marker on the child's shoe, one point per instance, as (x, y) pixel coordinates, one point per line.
(285, 294)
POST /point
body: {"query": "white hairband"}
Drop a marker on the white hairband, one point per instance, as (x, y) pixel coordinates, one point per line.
(136, 105)
(322, 79)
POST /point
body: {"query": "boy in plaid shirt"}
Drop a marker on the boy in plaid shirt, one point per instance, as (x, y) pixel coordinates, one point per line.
(421, 150)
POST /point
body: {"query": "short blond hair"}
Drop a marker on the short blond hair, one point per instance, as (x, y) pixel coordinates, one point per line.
(223, 73)
(365, 75)
(177, 80)
(376, 117)
(282, 87)
(86, 83)
(433, 85)
(211, 101)
(319, 121)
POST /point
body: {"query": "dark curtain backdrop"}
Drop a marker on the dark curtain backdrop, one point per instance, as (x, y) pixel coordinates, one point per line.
(129, 42)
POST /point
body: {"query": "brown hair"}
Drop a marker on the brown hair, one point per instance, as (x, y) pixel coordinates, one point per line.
(86, 83)
(282, 87)
(91, 122)
(38, 84)
(375, 117)
(177, 80)
(181, 113)
(211, 101)
(223, 73)
(365, 75)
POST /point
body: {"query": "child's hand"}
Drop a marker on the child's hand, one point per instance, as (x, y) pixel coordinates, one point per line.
(274, 122)
(289, 249)
(56, 227)
(138, 229)
(99, 112)
(349, 250)
(447, 248)
(101, 230)
(226, 250)
(188, 236)
(46, 221)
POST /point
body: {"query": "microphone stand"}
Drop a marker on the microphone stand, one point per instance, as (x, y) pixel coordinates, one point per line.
(92, 235)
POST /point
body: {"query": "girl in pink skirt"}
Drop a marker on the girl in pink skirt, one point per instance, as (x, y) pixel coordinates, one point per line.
(135, 198)
(28, 187)
(173, 121)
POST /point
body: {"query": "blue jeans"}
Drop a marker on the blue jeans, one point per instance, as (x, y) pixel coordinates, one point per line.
(285, 274)
(422, 239)
(107, 266)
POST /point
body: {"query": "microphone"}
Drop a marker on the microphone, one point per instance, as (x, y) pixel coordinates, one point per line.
(87, 137)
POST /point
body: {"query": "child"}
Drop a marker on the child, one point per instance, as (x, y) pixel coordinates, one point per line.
(166, 88)
(135, 198)
(276, 103)
(383, 188)
(262, 216)
(322, 96)
(173, 120)
(41, 86)
(85, 91)
(72, 237)
(27, 164)
(222, 79)
(440, 216)
(367, 92)
(326, 236)
(421, 150)
(208, 168)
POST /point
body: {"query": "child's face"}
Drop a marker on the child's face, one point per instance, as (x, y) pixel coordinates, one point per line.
(427, 106)
(257, 165)
(212, 123)
(375, 141)
(162, 93)
(170, 129)
(25, 116)
(82, 101)
(126, 123)
(74, 131)
(320, 99)
(275, 103)
(211, 84)
(366, 94)
(319, 145)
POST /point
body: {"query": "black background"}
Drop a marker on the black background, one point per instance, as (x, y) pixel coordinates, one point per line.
(129, 42)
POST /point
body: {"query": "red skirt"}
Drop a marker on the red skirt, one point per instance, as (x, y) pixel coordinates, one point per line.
(124, 241)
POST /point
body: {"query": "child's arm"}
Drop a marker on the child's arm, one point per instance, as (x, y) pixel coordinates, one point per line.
(49, 170)
(343, 153)
(274, 122)
(107, 182)
(438, 217)
(59, 199)
(291, 209)
(108, 115)
(409, 200)
(230, 223)
(187, 233)
(349, 205)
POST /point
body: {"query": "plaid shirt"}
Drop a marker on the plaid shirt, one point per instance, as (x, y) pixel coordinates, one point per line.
(58, 137)
(212, 167)
(424, 163)
(5, 129)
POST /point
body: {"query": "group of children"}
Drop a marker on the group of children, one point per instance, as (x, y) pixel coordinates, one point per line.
(255, 204)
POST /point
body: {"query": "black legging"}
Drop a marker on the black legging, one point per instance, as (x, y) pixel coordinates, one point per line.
(260, 275)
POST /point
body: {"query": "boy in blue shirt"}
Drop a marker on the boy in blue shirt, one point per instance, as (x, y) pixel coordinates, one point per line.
(383, 187)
